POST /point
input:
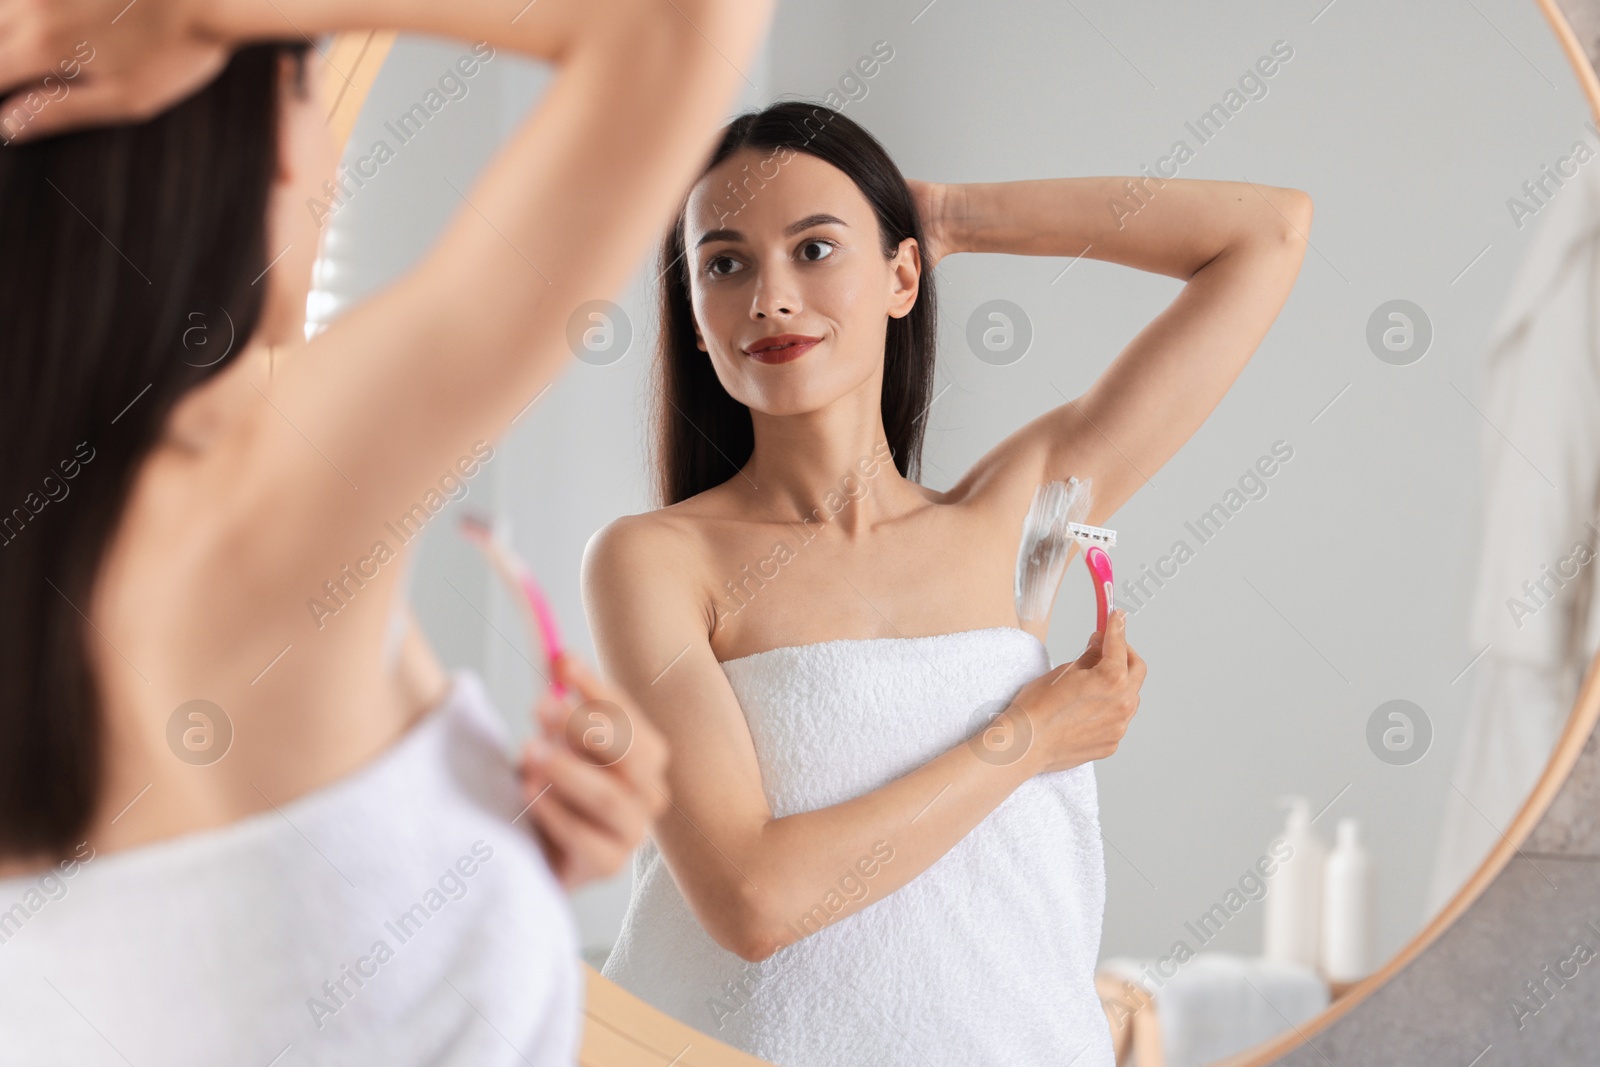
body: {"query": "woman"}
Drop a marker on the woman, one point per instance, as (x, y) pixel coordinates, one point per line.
(852, 869)
(233, 827)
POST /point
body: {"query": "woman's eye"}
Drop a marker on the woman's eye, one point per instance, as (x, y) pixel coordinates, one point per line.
(826, 246)
(711, 266)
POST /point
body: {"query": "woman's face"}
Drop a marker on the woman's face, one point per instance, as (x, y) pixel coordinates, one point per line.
(795, 251)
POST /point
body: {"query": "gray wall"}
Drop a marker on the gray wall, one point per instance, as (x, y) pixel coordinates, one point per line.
(1269, 649)
(1345, 586)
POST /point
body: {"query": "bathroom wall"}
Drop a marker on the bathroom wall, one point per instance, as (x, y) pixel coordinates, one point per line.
(1348, 583)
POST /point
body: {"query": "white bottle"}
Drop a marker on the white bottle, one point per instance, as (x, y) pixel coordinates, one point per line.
(1294, 892)
(1349, 910)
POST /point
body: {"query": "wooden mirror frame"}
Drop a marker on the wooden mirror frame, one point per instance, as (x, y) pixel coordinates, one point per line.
(622, 1030)
(352, 64)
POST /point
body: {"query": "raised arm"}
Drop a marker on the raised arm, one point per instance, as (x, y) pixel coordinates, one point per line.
(139, 59)
(361, 428)
(751, 878)
(1237, 245)
(405, 389)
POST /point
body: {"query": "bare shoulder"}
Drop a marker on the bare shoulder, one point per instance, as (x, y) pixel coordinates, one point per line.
(633, 543)
(654, 563)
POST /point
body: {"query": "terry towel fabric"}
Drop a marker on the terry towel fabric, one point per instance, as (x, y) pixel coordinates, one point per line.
(396, 916)
(1219, 1003)
(988, 956)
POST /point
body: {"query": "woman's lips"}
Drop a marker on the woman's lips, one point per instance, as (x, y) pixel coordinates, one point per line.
(784, 353)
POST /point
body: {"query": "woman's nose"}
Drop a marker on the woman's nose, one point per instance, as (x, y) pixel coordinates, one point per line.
(774, 296)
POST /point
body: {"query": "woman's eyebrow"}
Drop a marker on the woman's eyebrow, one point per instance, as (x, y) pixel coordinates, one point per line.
(819, 219)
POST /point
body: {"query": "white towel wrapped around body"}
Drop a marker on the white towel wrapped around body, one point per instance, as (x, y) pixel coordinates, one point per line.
(986, 957)
(396, 916)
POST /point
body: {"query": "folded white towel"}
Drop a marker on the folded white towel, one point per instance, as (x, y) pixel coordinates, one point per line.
(1219, 1003)
(397, 916)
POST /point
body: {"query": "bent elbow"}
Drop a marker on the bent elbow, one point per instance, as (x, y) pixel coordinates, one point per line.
(1297, 210)
(747, 941)
(1283, 222)
(754, 949)
(749, 932)
(754, 940)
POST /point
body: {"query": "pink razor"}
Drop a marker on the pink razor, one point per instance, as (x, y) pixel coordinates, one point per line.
(493, 539)
(1100, 566)
(1052, 527)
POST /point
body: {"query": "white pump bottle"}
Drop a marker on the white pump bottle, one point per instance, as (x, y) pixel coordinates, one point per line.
(1349, 907)
(1294, 894)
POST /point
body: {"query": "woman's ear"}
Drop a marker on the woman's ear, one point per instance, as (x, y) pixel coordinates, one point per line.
(291, 90)
(307, 158)
(905, 278)
(305, 141)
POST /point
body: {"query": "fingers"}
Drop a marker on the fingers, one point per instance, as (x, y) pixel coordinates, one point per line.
(30, 112)
(1055, 674)
(21, 72)
(1137, 667)
(1114, 644)
(586, 852)
(572, 672)
(28, 50)
(591, 814)
(608, 728)
(600, 794)
(74, 63)
(40, 108)
(1086, 659)
(550, 717)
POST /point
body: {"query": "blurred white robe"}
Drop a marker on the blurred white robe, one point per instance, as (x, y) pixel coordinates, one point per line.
(1541, 469)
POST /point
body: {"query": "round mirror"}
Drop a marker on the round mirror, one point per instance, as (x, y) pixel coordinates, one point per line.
(1363, 586)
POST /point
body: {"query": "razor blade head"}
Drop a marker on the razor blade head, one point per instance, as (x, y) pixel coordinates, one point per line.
(1092, 535)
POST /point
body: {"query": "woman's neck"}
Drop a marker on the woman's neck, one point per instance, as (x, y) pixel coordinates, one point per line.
(207, 411)
(803, 464)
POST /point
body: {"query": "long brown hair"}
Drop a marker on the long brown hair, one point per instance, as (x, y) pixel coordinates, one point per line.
(702, 435)
(112, 242)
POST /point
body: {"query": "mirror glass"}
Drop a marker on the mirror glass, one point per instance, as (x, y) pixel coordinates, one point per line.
(1370, 555)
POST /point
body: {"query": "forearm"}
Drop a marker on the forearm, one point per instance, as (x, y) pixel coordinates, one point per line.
(451, 352)
(1167, 226)
(814, 868)
(656, 95)
(645, 104)
(545, 29)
